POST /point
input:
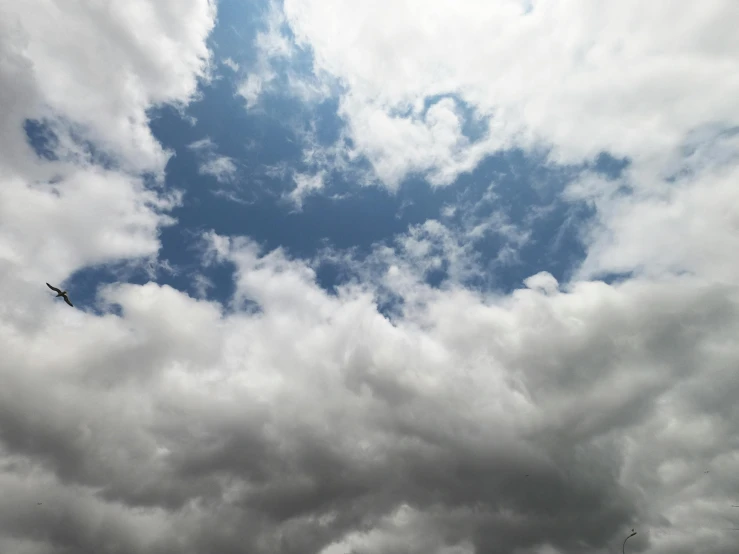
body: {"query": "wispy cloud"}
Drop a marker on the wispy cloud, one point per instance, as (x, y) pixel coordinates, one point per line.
(270, 44)
(222, 168)
(231, 64)
(305, 185)
(278, 67)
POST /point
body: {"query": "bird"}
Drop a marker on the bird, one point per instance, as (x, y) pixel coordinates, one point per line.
(62, 293)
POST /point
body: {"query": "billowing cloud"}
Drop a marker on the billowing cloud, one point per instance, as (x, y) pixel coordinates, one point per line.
(471, 424)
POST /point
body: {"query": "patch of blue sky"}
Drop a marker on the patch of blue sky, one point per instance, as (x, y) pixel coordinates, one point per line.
(267, 145)
(238, 23)
(43, 137)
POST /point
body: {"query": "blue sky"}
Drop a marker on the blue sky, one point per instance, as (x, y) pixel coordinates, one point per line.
(409, 276)
(342, 215)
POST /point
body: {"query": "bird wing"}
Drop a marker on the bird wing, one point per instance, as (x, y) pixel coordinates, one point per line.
(66, 299)
(53, 288)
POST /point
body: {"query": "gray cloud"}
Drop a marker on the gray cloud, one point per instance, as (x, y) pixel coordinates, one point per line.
(501, 424)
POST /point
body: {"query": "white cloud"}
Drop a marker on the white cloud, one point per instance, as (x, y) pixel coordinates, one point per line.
(337, 157)
(102, 65)
(579, 76)
(203, 145)
(202, 285)
(305, 185)
(431, 143)
(543, 281)
(91, 217)
(223, 168)
(306, 89)
(433, 246)
(255, 83)
(85, 71)
(273, 43)
(272, 46)
(690, 224)
(231, 64)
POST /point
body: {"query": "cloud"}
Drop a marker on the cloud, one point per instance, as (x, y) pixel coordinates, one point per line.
(232, 65)
(108, 67)
(278, 66)
(304, 185)
(88, 204)
(685, 224)
(431, 143)
(270, 44)
(222, 168)
(471, 424)
(91, 217)
(542, 281)
(255, 83)
(634, 82)
(203, 145)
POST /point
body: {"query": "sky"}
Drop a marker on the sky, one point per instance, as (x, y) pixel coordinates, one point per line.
(369, 277)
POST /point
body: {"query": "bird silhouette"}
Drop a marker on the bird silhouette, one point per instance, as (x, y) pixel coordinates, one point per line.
(62, 293)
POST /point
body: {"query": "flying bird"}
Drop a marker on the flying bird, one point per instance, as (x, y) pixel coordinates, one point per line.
(62, 293)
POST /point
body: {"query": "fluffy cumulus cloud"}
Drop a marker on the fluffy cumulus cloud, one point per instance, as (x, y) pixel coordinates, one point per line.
(314, 424)
(101, 65)
(87, 73)
(579, 77)
(387, 415)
